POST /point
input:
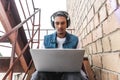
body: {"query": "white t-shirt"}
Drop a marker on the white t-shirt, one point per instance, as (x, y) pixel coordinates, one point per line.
(60, 42)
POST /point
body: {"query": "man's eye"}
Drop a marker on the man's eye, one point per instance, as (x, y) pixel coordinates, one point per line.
(57, 23)
(62, 23)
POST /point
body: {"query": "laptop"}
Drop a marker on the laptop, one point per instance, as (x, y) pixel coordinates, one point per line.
(57, 60)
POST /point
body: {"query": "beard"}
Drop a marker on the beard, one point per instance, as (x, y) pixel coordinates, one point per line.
(61, 31)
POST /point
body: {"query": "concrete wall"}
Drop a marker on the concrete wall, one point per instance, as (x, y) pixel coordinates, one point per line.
(97, 24)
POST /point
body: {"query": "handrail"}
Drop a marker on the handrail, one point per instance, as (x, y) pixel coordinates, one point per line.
(2, 32)
(33, 28)
(22, 52)
(13, 54)
(6, 46)
(28, 68)
(33, 5)
(16, 27)
(25, 15)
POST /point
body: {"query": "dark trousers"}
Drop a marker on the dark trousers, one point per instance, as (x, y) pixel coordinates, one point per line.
(57, 76)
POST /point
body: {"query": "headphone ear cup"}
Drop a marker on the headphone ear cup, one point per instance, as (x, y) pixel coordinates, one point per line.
(68, 23)
(52, 21)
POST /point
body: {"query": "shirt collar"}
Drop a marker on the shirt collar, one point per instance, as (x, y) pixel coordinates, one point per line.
(53, 38)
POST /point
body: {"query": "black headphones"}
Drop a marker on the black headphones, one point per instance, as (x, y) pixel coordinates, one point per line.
(60, 13)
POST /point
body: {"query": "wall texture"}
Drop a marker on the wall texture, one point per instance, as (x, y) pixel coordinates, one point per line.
(97, 24)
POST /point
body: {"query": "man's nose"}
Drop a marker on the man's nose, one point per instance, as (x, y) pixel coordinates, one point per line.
(60, 25)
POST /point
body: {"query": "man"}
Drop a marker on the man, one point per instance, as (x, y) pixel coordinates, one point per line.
(60, 20)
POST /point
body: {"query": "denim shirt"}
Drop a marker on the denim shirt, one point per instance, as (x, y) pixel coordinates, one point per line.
(50, 41)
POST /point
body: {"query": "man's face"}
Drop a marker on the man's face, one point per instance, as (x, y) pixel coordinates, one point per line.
(60, 25)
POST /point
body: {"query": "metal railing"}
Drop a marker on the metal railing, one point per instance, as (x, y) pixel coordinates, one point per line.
(14, 31)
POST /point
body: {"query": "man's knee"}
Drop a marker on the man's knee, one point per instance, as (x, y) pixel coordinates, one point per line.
(38, 76)
(71, 76)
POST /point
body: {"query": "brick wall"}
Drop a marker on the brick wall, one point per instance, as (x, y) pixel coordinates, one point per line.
(97, 24)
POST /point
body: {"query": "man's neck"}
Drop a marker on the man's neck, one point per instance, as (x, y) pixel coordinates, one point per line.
(61, 35)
